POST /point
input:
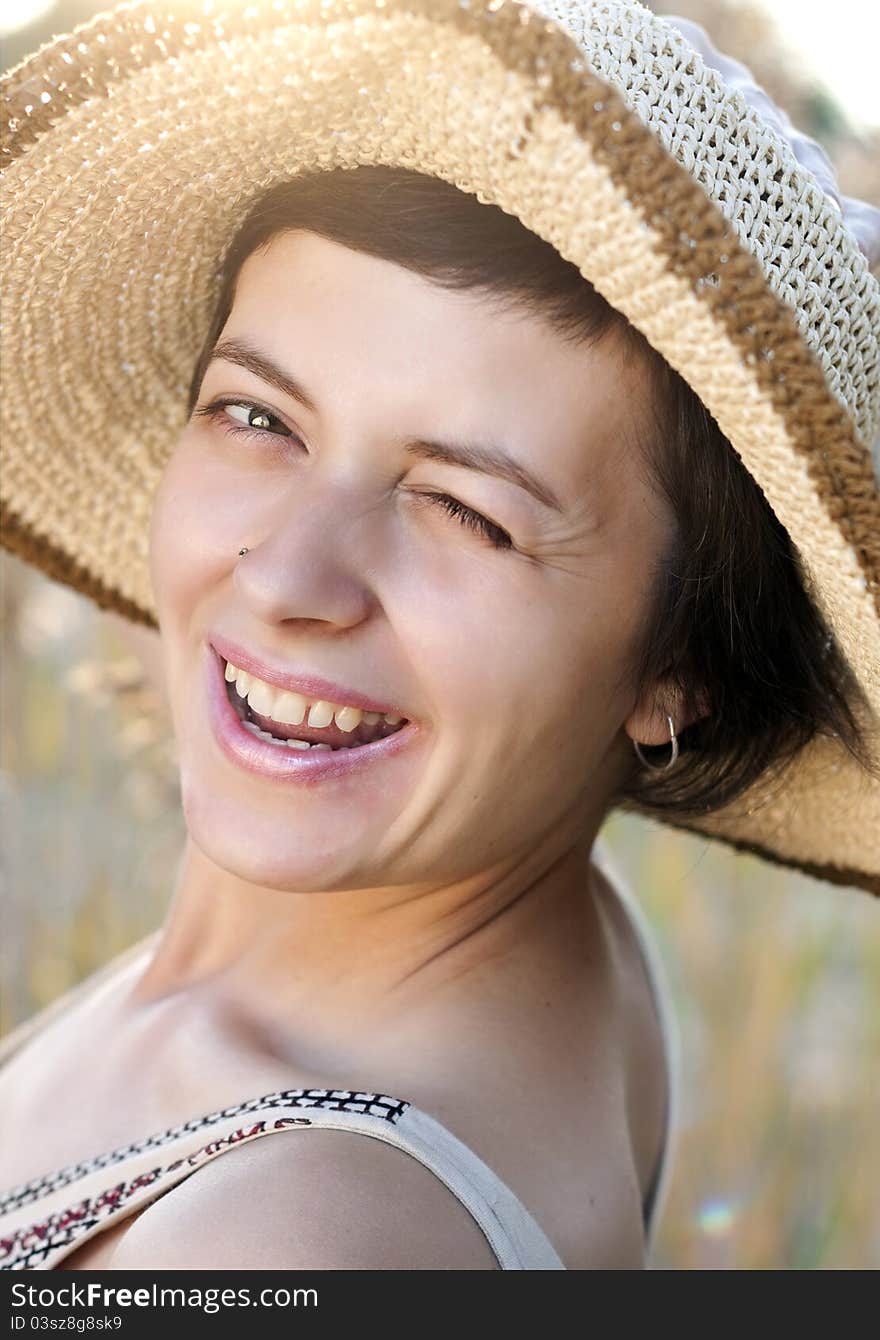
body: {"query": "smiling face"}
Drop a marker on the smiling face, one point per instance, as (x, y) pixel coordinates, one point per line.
(509, 645)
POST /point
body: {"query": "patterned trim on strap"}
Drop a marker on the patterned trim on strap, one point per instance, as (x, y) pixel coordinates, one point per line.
(337, 1100)
(516, 1238)
(29, 1245)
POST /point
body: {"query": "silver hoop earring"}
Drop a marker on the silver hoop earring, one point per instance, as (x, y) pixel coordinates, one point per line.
(661, 767)
(241, 551)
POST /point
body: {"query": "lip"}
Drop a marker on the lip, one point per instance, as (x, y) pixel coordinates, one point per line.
(310, 686)
(282, 764)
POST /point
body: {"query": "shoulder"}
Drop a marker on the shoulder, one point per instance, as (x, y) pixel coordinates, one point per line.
(308, 1200)
(42, 1024)
(648, 1079)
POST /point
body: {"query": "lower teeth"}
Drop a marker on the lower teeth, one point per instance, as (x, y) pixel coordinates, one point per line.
(287, 744)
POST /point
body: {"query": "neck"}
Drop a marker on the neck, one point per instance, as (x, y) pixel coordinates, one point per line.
(343, 955)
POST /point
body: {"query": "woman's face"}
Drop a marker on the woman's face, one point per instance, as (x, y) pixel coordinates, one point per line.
(512, 660)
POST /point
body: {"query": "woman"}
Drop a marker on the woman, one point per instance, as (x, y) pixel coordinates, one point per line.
(446, 562)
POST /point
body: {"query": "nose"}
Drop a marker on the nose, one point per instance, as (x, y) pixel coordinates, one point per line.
(309, 561)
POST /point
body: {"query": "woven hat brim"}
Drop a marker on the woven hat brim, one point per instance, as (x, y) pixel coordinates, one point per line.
(114, 225)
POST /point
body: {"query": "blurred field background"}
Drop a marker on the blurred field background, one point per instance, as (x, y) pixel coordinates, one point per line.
(775, 977)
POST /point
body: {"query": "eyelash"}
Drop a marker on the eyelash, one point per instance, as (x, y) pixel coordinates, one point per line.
(475, 521)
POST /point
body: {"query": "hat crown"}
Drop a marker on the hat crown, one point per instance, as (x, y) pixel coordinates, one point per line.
(749, 169)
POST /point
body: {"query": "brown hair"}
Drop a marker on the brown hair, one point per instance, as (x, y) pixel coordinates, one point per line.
(730, 614)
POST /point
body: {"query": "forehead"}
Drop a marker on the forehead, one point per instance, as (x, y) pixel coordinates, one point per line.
(371, 338)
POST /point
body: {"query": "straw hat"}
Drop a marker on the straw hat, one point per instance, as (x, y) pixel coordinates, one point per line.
(133, 145)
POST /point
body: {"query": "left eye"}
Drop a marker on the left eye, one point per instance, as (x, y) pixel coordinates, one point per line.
(214, 412)
(467, 517)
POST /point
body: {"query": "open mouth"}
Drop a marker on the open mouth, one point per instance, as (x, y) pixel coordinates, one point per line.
(307, 737)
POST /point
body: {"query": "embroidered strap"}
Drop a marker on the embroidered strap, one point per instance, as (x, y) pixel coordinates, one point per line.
(154, 1166)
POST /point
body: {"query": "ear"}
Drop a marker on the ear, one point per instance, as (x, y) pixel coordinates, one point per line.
(647, 724)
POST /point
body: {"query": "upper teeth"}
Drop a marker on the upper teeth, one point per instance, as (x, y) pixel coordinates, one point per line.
(290, 708)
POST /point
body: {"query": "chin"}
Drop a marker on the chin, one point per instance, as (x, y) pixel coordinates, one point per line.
(269, 851)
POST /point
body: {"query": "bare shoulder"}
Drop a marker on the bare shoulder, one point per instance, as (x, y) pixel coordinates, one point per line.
(308, 1200)
(41, 1024)
(647, 1073)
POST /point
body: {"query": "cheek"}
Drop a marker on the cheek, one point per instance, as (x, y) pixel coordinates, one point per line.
(541, 653)
(459, 615)
(196, 526)
(168, 524)
(506, 649)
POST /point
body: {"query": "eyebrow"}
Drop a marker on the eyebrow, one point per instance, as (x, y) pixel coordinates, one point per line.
(246, 356)
(488, 460)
